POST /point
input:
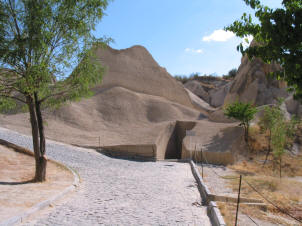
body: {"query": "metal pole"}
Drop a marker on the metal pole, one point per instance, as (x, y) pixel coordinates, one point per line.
(238, 200)
(99, 141)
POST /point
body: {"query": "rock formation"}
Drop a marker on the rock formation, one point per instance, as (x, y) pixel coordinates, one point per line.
(212, 90)
(135, 69)
(139, 109)
(252, 84)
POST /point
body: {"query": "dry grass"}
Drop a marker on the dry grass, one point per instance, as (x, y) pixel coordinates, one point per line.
(285, 192)
(258, 143)
(291, 166)
(228, 211)
(257, 140)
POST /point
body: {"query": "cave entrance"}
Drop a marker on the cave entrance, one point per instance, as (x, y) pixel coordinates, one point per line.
(174, 146)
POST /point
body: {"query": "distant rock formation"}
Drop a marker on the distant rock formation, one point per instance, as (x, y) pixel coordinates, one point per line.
(199, 89)
(252, 84)
(212, 91)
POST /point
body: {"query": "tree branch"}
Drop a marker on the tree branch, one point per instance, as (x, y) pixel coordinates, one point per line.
(13, 97)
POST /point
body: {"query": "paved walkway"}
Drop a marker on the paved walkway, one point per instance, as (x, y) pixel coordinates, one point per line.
(121, 192)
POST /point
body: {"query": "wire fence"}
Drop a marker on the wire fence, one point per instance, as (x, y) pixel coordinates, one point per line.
(277, 207)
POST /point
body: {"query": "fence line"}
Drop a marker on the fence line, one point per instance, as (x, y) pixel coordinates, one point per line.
(251, 219)
(269, 201)
(272, 203)
(205, 158)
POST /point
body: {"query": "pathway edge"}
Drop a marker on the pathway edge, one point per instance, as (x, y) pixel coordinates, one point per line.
(212, 209)
(17, 219)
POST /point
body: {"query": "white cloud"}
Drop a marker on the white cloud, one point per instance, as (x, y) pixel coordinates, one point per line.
(219, 36)
(246, 41)
(199, 51)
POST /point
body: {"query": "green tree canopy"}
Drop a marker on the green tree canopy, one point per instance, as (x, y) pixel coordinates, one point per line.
(244, 112)
(279, 35)
(40, 42)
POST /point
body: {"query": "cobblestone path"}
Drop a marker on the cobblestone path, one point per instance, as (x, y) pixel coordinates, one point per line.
(121, 192)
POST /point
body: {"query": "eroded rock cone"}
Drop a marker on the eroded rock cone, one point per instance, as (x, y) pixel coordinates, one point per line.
(252, 84)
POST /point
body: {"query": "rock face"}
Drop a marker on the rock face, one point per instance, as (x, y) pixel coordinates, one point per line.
(136, 110)
(252, 85)
(135, 69)
(217, 96)
(212, 90)
(198, 89)
(293, 107)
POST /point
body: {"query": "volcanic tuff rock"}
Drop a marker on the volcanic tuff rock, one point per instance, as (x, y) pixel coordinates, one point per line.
(252, 84)
(135, 69)
(136, 100)
(211, 89)
(198, 89)
(139, 109)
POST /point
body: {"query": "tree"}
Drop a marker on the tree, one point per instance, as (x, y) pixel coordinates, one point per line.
(278, 34)
(232, 74)
(279, 140)
(244, 112)
(269, 119)
(40, 42)
(281, 131)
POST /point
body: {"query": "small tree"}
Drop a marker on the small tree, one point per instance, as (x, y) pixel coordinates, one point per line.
(40, 41)
(280, 131)
(244, 112)
(271, 115)
(279, 140)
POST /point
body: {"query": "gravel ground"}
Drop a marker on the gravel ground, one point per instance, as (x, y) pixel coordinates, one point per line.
(121, 192)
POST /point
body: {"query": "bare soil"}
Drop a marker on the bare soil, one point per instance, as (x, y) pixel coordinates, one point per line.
(286, 193)
(17, 191)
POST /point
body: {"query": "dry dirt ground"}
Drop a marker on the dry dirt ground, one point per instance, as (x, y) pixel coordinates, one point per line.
(225, 180)
(17, 192)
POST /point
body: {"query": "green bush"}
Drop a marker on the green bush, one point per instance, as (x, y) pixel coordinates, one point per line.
(244, 112)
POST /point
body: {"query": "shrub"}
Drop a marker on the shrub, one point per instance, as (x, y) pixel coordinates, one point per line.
(244, 112)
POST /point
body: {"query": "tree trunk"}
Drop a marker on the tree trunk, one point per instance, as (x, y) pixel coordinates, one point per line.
(40, 125)
(40, 159)
(246, 133)
(269, 146)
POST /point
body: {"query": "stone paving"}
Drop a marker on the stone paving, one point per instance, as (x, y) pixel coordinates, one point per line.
(121, 192)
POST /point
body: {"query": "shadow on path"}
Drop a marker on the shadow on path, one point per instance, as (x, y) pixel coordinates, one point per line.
(17, 182)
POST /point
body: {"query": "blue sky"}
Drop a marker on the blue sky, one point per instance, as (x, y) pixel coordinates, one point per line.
(183, 36)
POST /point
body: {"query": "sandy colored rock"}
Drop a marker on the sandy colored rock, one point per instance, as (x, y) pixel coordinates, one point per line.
(293, 106)
(210, 89)
(252, 85)
(199, 103)
(139, 109)
(218, 116)
(196, 88)
(219, 142)
(116, 116)
(135, 69)
(217, 96)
